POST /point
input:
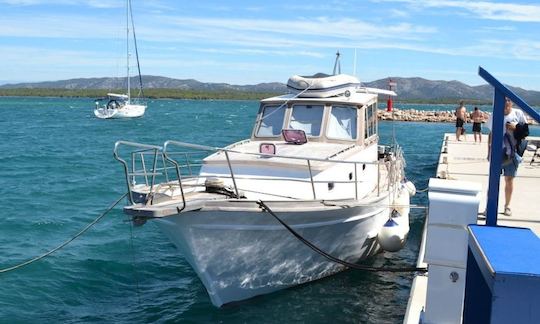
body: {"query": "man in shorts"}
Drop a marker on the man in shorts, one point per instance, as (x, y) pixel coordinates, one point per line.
(461, 119)
(478, 119)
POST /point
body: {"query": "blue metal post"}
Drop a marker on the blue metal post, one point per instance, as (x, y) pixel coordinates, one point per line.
(501, 91)
(495, 159)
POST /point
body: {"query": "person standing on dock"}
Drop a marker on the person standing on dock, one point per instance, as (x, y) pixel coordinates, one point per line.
(461, 119)
(512, 117)
(478, 119)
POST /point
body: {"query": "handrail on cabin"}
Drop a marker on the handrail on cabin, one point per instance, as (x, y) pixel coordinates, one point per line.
(393, 168)
(501, 92)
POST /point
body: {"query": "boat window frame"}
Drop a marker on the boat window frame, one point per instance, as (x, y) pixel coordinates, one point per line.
(370, 120)
(356, 119)
(260, 116)
(322, 121)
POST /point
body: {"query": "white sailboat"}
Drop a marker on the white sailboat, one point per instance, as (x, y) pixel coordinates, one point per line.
(122, 105)
(313, 160)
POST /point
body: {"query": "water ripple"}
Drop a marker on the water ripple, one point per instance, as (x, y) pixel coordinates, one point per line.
(57, 174)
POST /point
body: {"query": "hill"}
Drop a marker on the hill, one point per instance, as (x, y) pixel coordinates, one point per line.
(419, 89)
(408, 89)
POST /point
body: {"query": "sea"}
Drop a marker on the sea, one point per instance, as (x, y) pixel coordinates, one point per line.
(58, 174)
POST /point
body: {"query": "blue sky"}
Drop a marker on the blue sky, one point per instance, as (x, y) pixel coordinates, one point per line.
(248, 42)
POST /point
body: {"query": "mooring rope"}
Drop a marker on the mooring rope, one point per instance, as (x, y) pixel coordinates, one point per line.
(332, 258)
(20, 265)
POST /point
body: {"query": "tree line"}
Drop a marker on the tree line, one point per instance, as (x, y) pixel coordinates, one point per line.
(148, 93)
(157, 93)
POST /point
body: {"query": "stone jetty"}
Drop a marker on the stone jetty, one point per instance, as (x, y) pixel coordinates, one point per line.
(437, 116)
(433, 116)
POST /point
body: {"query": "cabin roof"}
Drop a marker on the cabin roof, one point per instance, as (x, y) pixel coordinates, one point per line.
(117, 96)
(358, 98)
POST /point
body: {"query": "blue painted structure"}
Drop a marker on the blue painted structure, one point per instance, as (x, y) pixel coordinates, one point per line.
(503, 276)
(501, 91)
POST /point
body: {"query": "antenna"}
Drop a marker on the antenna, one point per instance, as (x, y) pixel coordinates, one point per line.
(337, 64)
(354, 63)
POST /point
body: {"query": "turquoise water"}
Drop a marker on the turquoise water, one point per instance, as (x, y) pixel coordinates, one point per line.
(57, 174)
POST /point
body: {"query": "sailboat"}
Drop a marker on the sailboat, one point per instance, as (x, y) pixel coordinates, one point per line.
(121, 105)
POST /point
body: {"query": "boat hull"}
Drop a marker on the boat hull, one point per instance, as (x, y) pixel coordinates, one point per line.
(239, 254)
(128, 111)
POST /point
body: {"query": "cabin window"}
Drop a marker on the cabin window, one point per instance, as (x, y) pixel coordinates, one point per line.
(342, 123)
(307, 118)
(371, 120)
(271, 121)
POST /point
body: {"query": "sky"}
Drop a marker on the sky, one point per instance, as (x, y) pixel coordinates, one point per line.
(249, 42)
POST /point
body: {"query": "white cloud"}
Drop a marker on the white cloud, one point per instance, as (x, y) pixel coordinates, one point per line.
(20, 2)
(251, 51)
(58, 26)
(496, 11)
(520, 49)
(88, 3)
(320, 27)
(482, 9)
(185, 43)
(396, 13)
(500, 28)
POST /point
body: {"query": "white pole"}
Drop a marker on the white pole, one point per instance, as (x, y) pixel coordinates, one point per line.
(354, 63)
(127, 50)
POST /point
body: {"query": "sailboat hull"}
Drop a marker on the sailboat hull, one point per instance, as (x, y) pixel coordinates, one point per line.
(244, 253)
(127, 111)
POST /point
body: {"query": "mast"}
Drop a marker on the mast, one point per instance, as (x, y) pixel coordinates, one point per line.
(141, 93)
(354, 65)
(337, 64)
(127, 50)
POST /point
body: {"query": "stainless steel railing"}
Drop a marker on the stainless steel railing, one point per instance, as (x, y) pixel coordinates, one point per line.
(151, 162)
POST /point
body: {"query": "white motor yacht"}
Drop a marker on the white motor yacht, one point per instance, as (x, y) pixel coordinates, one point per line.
(313, 162)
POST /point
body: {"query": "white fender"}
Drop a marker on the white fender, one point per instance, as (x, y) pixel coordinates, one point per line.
(402, 202)
(393, 234)
(410, 187)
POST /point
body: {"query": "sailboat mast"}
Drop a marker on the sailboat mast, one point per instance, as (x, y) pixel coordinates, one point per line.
(128, 3)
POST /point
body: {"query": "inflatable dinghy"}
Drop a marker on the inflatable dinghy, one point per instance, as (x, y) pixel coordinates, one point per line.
(323, 85)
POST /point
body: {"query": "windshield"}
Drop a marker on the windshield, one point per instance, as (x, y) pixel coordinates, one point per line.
(271, 121)
(307, 118)
(342, 123)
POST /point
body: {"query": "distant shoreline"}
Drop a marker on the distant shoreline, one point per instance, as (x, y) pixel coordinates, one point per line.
(188, 94)
(398, 114)
(173, 94)
(149, 93)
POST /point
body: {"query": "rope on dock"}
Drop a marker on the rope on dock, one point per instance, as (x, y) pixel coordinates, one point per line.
(355, 266)
(20, 265)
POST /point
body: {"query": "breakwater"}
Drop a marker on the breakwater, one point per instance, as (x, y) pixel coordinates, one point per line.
(435, 116)
(432, 116)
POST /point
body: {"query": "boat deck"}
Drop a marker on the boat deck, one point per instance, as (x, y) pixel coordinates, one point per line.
(467, 161)
(311, 150)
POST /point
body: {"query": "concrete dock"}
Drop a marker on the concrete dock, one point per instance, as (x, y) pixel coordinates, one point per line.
(466, 160)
